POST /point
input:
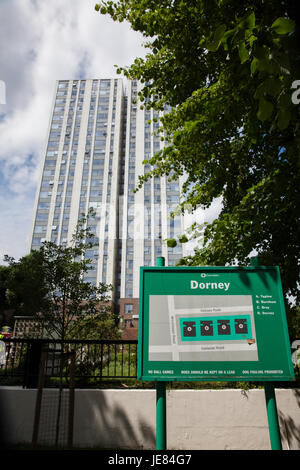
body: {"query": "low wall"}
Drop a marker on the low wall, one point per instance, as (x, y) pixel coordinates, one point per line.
(125, 419)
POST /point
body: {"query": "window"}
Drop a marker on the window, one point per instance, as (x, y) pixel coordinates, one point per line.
(100, 143)
(58, 109)
(102, 116)
(105, 84)
(44, 194)
(96, 182)
(94, 193)
(52, 144)
(42, 216)
(40, 229)
(101, 133)
(128, 292)
(97, 173)
(43, 205)
(49, 172)
(98, 162)
(128, 308)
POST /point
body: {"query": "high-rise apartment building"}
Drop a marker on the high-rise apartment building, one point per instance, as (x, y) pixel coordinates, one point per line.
(97, 141)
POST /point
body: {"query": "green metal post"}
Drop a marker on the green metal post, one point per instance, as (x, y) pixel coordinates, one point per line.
(274, 429)
(160, 261)
(161, 416)
(161, 405)
(254, 261)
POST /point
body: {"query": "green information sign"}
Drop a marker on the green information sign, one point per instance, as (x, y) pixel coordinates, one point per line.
(213, 323)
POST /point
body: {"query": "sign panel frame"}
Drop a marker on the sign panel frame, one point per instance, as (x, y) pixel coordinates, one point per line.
(213, 323)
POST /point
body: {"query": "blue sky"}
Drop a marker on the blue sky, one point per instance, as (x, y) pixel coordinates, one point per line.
(42, 42)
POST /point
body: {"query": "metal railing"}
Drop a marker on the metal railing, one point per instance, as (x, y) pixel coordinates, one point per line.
(96, 362)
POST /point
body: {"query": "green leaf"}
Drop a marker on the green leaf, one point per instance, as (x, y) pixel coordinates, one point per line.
(249, 22)
(261, 53)
(260, 91)
(265, 109)
(254, 66)
(284, 100)
(284, 117)
(172, 243)
(273, 86)
(183, 239)
(270, 86)
(243, 52)
(283, 25)
(213, 46)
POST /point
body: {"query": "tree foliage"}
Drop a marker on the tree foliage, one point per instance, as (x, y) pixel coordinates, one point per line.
(49, 283)
(23, 287)
(227, 68)
(100, 326)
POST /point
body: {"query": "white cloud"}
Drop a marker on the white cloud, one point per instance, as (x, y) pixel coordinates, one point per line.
(42, 42)
(200, 216)
(16, 217)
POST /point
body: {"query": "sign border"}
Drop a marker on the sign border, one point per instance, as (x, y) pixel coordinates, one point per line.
(141, 333)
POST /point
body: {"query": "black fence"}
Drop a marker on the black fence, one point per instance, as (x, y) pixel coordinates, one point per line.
(97, 363)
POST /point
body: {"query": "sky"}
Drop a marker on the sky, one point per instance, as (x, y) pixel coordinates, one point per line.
(42, 42)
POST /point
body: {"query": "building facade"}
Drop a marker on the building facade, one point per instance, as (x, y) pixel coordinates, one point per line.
(98, 138)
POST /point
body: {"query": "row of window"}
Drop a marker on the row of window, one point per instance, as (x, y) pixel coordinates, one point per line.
(96, 171)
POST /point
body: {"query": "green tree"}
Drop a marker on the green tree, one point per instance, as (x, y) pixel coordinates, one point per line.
(24, 287)
(69, 296)
(49, 284)
(226, 68)
(100, 326)
(4, 273)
